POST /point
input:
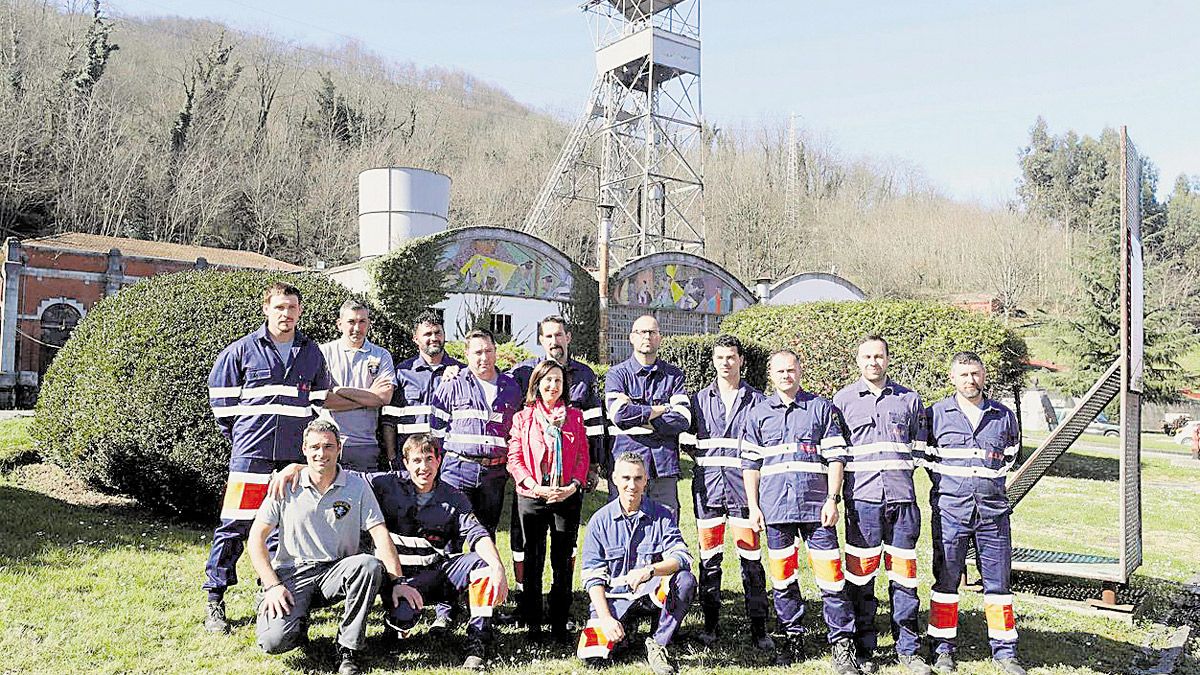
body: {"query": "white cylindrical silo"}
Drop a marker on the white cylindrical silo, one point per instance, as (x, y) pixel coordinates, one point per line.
(396, 204)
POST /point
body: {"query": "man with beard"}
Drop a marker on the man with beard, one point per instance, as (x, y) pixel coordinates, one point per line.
(973, 442)
(417, 378)
(648, 408)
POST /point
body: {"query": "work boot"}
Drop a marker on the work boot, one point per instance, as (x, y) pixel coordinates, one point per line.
(440, 626)
(791, 651)
(944, 663)
(865, 658)
(759, 637)
(913, 664)
(658, 658)
(473, 662)
(842, 657)
(1010, 666)
(350, 664)
(214, 619)
(708, 636)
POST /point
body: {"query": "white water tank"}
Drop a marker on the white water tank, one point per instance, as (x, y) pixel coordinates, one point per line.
(396, 204)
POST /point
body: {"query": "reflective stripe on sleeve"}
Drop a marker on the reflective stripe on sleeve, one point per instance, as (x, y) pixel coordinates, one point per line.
(789, 467)
(477, 439)
(224, 392)
(262, 409)
(270, 390)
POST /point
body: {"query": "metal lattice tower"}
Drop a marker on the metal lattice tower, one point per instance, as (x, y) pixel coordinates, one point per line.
(635, 153)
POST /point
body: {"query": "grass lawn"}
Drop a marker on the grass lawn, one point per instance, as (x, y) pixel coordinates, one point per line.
(1151, 442)
(15, 445)
(90, 583)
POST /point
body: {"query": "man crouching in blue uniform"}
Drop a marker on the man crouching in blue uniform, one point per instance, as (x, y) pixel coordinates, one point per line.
(635, 562)
(429, 522)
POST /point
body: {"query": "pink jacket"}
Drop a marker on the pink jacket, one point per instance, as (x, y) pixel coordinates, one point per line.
(527, 447)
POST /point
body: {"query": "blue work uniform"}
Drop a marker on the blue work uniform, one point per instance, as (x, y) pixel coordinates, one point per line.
(719, 496)
(968, 465)
(474, 436)
(411, 407)
(429, 539)
(583, 395)
(261, 404)
(791, 445)
(631, 429)
(882, 518)
(616, 543)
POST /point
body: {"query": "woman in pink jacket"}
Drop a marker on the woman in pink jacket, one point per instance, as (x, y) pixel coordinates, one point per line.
(548, 460)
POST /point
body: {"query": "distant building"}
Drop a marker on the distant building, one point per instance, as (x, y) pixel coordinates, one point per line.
(50, 284)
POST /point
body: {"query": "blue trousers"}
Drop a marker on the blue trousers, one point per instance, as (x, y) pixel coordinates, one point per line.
(484, 487)
(993, 546)
(681, 591)
(823, 554)
(244, 492)
(446, 582)
(878, 531)
(712, 523)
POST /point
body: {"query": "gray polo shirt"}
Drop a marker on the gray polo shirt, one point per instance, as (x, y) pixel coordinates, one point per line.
(318, 528)
(358, 368)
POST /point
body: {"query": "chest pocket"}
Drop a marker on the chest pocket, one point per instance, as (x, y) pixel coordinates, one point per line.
(648, 553)
(859, 422)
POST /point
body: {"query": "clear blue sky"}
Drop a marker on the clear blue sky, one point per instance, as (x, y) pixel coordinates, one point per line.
(949, 87)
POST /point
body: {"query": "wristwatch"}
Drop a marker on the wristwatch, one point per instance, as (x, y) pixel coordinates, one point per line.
(837, 499)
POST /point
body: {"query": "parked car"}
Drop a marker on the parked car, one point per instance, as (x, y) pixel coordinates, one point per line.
(1102, 426)
(1184, 437)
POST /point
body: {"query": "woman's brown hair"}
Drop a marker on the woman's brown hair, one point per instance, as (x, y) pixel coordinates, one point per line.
(543, 369)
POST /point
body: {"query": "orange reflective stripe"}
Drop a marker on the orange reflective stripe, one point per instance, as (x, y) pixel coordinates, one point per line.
(861, 566)
(943, 614)
(659, 597)
(712, 537)
(481, 595)
(593, 643)
(827, 568)
(745, 539)
(783, 565)
(244, 494)
(905, 567)
(999, 612)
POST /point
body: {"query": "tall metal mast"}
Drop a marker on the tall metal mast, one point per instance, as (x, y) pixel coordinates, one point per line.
(635, 153)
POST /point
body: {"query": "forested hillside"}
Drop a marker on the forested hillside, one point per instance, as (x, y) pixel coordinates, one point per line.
(186, 131)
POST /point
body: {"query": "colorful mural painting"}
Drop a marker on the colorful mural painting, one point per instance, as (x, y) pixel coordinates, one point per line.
(506, 268)
(678, 287)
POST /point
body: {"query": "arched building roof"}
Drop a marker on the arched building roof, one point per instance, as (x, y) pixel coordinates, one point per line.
(674, 280)
(813, 287)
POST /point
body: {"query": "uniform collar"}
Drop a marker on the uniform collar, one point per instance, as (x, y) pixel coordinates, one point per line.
(863, 389)
(639, 368)
(261, 334)
(338, 481)
(619, 512)
(802, 398)
(367, 347)
(714, 389)
(988, 405)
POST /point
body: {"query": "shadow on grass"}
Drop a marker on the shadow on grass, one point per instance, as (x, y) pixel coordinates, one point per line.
(33, 525)
(1087, 467)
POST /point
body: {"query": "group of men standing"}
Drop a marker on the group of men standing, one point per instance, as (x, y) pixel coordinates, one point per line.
(781, 464)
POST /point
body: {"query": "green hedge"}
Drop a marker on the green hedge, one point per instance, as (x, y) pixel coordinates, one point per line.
(922, 337)
(693, 353)
(125, 404)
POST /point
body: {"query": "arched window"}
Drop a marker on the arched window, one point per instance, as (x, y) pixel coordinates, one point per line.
(58, 321)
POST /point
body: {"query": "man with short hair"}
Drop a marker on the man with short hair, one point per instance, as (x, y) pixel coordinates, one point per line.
(973, 442)
(792, 459)
(410, 409)
(473, 414)
(719, 493)
(262, 390)
(430, 521)
(555, 339)
(363, 380)
(635, 563)
(316, 563)
(648, 408)
(884, 424)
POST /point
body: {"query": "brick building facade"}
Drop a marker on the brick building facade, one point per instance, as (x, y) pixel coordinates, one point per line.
(50, 284)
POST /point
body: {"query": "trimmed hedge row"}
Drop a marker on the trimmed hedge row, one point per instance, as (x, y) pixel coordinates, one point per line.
(922, 336)
(693, 353)
(125, 404)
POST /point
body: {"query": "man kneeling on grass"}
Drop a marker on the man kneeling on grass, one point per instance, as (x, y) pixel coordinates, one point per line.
(635, 562)
(320, 522)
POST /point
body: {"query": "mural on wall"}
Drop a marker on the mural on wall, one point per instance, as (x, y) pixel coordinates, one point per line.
(678, 287)
(507, 268)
